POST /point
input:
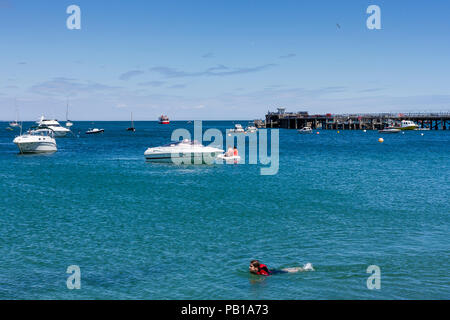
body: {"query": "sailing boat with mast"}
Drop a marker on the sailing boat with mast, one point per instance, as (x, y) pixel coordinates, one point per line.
(132, 124)
(68, 122)
(15, 124)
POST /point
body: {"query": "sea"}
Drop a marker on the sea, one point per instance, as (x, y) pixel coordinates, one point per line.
(372, 218)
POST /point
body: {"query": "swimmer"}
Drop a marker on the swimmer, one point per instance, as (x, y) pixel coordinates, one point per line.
(261, 269)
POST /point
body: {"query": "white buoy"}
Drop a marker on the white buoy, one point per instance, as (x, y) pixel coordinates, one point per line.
(364, 130)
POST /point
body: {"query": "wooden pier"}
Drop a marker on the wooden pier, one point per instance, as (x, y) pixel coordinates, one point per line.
(378, 121)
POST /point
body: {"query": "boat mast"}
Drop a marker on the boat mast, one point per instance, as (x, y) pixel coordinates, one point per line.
(17, 110)
(67, 109)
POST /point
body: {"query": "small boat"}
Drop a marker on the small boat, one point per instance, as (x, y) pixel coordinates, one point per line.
(164, 119)
(183, 152)
(305, 130)
(68, 122)
(58, 130)
(132, 124)
(15, 124)
(389, 130)
(251, 129)
(36, 141)
(95, 131)
(228, 159)
(237, 129)
(406, 125)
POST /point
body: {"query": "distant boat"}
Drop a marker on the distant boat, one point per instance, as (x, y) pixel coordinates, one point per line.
(68, 122)
(53, 124)
(305, 130)
(390, 130)
(15, 124)
(237, 129)
(407, 125)
(251, 128)
(164, 119)
(132, 124)
(95, 131)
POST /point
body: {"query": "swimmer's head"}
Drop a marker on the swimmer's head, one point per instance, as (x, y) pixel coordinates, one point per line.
(254, 266)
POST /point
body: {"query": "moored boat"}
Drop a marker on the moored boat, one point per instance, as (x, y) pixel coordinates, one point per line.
(237, 129)
(183, 152)
(132, 124)
(251, 129)
(305, 130)
(36, 141)
(52, 124)
(164, 119)
(407, 125)
(389, 130)
(95, 131)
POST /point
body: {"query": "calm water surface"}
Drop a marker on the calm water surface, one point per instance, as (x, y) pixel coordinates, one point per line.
(152, 231)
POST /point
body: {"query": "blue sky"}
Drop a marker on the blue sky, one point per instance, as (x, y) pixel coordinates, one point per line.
(221, 59)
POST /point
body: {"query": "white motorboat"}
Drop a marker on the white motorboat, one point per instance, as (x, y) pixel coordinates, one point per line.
(95, 131)
(228, 159)
(237, 129)
(183, 152)
(14, 124)
(389, 130)
(36, 141)
(59, 131)
(305, 130)
(251, 129)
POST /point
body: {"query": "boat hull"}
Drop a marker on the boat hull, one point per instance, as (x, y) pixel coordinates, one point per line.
(36, 147)
(389, 131)
(60, 134)
(231, 159)
(182, 158)
(95, 132)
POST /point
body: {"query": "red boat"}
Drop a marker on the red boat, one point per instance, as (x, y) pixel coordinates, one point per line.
(164, 120)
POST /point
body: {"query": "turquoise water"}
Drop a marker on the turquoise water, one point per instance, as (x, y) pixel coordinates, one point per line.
(152, 231)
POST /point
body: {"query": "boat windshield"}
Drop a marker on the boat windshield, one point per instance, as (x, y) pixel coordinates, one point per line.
(41, 132)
